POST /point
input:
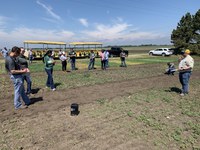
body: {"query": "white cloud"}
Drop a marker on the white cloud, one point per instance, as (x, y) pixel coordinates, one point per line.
(49, 11)
(3, 21)
(117, 32)
(40, 34)
(84, 22)
(106, 31)
(120, 33)
(18, 35)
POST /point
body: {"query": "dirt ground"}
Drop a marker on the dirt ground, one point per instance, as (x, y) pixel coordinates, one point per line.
(47, 123)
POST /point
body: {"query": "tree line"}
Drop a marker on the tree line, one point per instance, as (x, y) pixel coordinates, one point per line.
(187, 33)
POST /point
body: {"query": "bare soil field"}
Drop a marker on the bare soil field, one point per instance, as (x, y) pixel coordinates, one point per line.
(136, 113)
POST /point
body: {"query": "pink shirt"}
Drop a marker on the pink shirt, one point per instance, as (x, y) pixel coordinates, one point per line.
(101, 55)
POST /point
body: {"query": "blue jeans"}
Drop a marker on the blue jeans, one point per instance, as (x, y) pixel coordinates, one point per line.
(27, 78)
(123, 62)
(184, 78)
(64, 65)
(19, 91)
(106, 63)
(50, 82)
(91, 64)
(30, 59)
(103, 64)
(73, 61)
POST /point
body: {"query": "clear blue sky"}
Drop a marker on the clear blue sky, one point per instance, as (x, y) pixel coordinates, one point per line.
(131, 22)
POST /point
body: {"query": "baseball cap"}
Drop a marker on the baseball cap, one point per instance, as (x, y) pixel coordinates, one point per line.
(187, 51)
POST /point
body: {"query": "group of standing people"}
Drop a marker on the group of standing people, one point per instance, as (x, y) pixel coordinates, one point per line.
(105, 59)
(104, 54)
(71, 58)
(17, 67)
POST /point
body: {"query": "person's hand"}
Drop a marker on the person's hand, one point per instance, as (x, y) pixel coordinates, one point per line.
(54, 62)
(27, 70)
(180, 69)
(24, 70)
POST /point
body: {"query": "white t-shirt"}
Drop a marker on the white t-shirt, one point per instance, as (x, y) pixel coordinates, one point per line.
(63, 58)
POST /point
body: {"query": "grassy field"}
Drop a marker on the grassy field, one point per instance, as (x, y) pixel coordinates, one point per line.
(144, 49)
(84, 77)
(38, 66)
(154, 117)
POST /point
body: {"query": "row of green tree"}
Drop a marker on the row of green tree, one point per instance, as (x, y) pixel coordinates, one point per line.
(187, 33)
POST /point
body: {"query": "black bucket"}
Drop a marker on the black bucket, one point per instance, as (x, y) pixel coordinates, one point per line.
(74, 109)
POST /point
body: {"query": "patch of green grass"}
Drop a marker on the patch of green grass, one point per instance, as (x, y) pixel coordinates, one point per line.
(166, 99)
(195, 127)
(76, 79)
(176, 135)
(150, 60)
(130, 113)
(151, 122)
(156, 113)
(38, 66)
(86, 75)
(101, 101)
(4, 148)
(190, 108)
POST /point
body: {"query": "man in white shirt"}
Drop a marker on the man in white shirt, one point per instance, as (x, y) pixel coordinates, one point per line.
(63, 59)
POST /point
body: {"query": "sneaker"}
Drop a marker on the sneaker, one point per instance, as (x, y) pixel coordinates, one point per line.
(54, 89)
(182, 94)
(23, 107)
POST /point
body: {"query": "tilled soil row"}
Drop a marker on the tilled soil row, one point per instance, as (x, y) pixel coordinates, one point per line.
(46, 100)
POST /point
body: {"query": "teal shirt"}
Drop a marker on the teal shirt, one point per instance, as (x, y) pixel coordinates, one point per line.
(48, 62)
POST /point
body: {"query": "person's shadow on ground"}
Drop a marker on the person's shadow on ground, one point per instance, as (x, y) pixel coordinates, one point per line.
(57, 84)
(35, 100)
(174, 89)
(35, 91)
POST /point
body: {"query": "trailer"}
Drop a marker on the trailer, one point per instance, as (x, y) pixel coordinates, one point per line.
(83, 49)
(38, 53)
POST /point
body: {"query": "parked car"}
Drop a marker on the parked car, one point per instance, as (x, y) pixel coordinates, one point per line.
(161, 52)
(115, 51)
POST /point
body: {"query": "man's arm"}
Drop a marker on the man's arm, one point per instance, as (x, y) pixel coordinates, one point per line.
(11, 67)
(18, 71)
